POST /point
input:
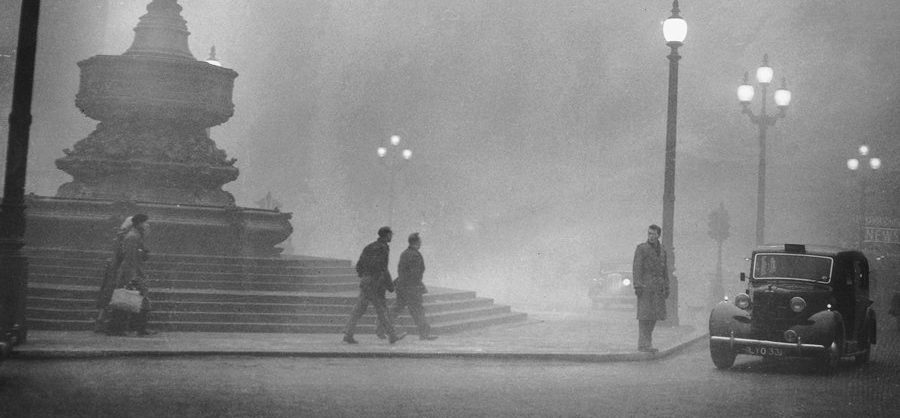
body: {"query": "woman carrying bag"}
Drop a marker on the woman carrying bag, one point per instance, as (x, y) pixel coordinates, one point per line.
(130, 275)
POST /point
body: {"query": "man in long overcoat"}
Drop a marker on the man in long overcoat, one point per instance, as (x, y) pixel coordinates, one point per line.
(651, 285)
(374, 279)
(410, 288)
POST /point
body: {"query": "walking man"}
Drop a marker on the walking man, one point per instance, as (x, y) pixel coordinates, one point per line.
(374, 278)
(410, 288)
(131, 275)
(651, 285)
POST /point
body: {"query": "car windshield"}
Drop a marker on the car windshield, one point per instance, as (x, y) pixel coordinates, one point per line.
(793, 266)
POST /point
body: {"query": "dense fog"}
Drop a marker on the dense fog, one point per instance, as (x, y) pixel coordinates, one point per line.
(537, 127)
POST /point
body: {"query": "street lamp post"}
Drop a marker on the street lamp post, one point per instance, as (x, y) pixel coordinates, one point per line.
(746, 92)
(674, 31)
(393, 163)
(13, 263)
(855, 164)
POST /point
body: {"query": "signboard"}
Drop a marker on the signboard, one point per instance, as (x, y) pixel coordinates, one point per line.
(882, 235)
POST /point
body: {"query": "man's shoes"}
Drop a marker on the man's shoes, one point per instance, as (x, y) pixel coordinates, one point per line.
(648, 350)
(396, 337)
(381, 336)
(349, 339)
(428, 337)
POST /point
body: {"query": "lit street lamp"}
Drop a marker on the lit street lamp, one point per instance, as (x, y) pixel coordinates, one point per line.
(855, 164)
(745, 93)
(674, 31)
(393, 163)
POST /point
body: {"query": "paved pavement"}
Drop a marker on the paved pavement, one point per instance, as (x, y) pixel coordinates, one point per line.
(593, 336)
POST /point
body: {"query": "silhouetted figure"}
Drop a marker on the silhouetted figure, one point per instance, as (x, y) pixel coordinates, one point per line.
(651, 285)
(409, 288)
(130, 274)
(110, 272)
(374, 279)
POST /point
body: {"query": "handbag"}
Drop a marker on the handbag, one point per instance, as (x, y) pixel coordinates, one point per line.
(126, 300)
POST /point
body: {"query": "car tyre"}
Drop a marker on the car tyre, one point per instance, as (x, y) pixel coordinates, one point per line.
(722, 357)
(831, 357)
(865, 344)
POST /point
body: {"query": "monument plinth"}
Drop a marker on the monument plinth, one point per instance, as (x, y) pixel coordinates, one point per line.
(151, 152)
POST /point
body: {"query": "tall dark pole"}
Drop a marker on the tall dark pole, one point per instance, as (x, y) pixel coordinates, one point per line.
(393, 162)
(863, 163)
(762, 123)
(668, 226)
(13, 264)
(862, 211)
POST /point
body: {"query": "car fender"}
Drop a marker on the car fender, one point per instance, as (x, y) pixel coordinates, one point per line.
(821, 328)
(727, 320)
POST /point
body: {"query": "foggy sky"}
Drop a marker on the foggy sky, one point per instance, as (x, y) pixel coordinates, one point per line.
(537, 127)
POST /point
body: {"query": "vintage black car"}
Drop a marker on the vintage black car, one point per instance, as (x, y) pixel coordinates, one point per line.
(800, 301)
(612, 288)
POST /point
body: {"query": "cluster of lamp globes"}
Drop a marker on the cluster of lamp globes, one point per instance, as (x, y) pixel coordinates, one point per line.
(874, 163)
(395, 141)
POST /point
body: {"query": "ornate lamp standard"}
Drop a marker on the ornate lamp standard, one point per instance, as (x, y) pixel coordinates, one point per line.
(855, 164)
(393, 163)
(745, 93)
(674, 31)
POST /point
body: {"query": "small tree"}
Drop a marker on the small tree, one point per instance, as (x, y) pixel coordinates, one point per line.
(718, 231)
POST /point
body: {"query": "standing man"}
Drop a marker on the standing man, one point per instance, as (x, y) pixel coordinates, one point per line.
(410, 288)
(651, 285)
(374, 278)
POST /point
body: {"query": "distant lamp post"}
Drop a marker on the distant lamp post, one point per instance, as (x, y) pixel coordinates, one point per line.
(859, 164)
(674, 31)
(782, 96)
(393, 162)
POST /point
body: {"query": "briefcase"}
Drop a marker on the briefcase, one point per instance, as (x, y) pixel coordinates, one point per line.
(126, 300)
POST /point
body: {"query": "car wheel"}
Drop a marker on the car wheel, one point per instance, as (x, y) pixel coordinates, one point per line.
(865, 356)
(722, 357)
(831, 357)
(865, 344)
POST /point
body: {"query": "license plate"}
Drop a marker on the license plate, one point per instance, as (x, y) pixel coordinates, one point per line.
(764, 351)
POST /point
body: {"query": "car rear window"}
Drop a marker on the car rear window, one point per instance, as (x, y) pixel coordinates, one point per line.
(792, 266)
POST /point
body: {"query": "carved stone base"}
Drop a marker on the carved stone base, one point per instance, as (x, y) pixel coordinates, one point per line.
(171, 183)
(89, 224)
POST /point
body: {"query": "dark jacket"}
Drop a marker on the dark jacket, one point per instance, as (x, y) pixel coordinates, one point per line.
(410, 270)
(651, 281)
(372, 266)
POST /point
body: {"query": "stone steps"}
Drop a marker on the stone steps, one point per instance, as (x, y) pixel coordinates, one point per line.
(162, 282)
(235, 294)
(363, 328)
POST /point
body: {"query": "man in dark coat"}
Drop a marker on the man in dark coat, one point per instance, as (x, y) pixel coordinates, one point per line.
(374, 278)
(651, 285)
(410, 288)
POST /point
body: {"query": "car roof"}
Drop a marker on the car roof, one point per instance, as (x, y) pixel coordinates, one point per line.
(813, 249)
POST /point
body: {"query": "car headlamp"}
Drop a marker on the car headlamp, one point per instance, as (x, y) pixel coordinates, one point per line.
(742, 300)
(798, 304)
(790, 336)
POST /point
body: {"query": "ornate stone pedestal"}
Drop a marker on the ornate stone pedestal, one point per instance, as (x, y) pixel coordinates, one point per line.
(151, 153)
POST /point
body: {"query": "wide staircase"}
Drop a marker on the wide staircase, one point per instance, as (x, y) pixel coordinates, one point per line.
(192, 293)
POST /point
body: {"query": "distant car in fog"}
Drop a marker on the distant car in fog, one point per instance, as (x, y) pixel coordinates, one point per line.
(611, 288)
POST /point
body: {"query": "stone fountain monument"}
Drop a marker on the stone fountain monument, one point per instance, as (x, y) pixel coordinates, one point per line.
(151, 152)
